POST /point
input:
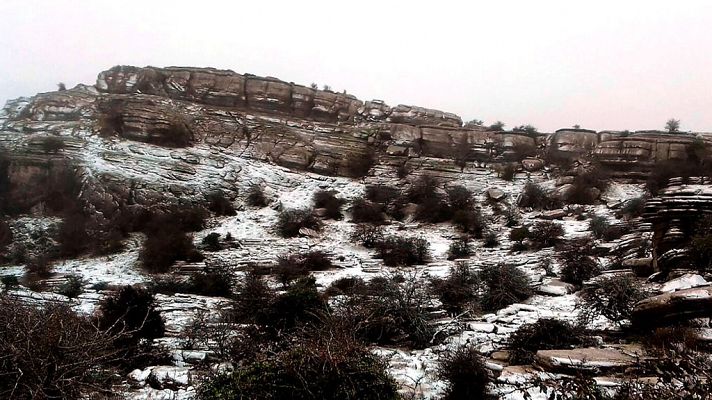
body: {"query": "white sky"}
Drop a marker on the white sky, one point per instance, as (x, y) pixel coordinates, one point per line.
(623, 64)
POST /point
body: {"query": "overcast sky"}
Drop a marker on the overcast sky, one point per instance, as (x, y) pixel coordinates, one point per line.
(604, 65)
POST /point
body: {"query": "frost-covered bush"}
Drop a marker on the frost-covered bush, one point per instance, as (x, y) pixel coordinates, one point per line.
(290, 222)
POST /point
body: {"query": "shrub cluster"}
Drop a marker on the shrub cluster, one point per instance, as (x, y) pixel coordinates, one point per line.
(364, 211)
(163, 247)
(459, 248)
(330, 203)
(503, 285)
(459, 291)
(602, 229)
(290, 222)
(534, 196)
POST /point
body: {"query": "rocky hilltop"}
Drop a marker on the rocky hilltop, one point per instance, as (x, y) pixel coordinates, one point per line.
(159, 178)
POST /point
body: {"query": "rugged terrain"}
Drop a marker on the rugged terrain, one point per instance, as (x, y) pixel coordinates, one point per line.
(148, 140)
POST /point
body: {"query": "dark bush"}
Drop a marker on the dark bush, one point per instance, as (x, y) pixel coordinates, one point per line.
(460, 198)
(256, 196)
(400, 251)
(366, 211)
(329, 364)
(346, 286)
(330, 203)
(212, 242)
(252, 299)
(298, 265)
(469, 221)
(422, 189)
(131, 310)
(503, 285)
(612, 297)
(52, 144)
(465, 374)
(459, 290)
(290, 222)
(214, 281)
(164, 247)
(72, 288)
(49, 352)
(490, 240)
(459, 248)
(578, 263)
(587, 186)
(672, 341)
(368, 235)
(700, 252)
(40, 266)
(72, 235)
(220, 204)
(301, 303)
(433, 209)
(5, 234)
(518, 236)
(545, 234)
(545, 334)
(382, 194)
(508, 172)
(533, 196)
(9, 281)
(186, 218)
(358, 165)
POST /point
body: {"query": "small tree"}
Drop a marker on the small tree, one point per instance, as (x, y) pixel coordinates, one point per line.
(672, 125)
(497, 126)
(52, 144)
(612, 297)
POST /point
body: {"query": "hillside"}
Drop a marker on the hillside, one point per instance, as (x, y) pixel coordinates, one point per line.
(220, 194)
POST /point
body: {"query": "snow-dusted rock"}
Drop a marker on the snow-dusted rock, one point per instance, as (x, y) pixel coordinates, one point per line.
(686, 281)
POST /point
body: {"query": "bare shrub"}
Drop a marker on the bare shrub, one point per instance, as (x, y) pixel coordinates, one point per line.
(368, 235)
(670, 341)
(508, 172)
(470, 221)
(330, 203)
(48, 351)
(612, 297)
(633, 208)
(290, 222)
(491, 240)
(465, 373)
(545, 334)
(382, 194)
(164, 247)
(324, 363)
(460, 198)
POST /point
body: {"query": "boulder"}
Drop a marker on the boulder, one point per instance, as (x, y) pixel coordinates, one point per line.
(554, 214)
(532, 164)
(686, 281)
(496, 194)
(589, 358)
(555, 287)
(672, 307)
